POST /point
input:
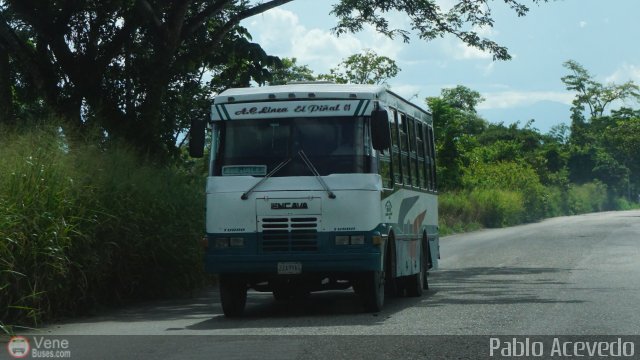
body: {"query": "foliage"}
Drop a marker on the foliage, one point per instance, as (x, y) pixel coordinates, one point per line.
(476, 208)
(428, 19)
(132, 68)
(119, 64)
(461, 97)
(510, 176)
(455, 126)
(593, 94)
(586, 198)
(91, 227)
(365, 68)
(493, 175)
(289, 71)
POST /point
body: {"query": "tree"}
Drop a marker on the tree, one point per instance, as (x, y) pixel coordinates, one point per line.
(118, 64)
(365, 68)
(6, 101)
(115, 63)
(596, 143)
(463, 98)
(456, 125)
(289, 71)
(593, 94)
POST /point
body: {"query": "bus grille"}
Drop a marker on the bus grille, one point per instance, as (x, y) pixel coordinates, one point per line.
(293, 233)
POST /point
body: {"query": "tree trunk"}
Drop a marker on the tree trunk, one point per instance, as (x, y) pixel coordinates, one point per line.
(6, 98)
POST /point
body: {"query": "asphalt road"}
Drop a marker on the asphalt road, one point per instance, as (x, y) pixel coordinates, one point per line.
(575, 275)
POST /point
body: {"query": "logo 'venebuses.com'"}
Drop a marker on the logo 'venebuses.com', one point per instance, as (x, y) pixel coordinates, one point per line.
(18, 347)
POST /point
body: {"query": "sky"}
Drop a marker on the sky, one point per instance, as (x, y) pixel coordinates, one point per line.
(601, 35)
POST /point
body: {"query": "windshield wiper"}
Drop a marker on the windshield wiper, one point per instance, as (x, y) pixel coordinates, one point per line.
(313, 169)
(245, 196)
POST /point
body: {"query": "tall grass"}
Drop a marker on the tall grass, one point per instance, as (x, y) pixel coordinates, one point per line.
(491, 208)
(84, 226)
(470, 210)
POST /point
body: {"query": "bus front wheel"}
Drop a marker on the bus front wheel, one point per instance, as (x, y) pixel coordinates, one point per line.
(233, 295)
(372, 290)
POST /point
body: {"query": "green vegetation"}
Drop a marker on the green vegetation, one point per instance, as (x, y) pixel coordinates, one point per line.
(135, 68)
(492, 175)
(81, 226)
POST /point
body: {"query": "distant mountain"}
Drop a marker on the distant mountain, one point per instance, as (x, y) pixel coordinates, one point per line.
(545, 113)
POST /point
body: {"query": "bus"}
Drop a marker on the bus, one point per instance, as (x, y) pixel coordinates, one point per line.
(318, 186)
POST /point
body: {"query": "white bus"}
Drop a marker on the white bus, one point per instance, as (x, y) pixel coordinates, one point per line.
(319, 186)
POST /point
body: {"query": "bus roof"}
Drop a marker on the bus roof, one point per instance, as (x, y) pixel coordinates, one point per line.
(301, 91)
(317, 91)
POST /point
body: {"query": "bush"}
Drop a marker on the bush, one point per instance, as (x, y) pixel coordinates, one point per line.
(586, 198)
(478, 208)
(512, 177)
(83, 226)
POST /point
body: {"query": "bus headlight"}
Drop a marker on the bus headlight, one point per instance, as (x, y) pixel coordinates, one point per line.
(350, 240)
(342, 240)
(357, 239)
(236, 242)
(221, 243)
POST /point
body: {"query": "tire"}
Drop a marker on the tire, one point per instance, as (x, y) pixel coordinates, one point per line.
(415, 283)
(393, 287)
(233, 295)
(372, 291)
(427, 261)
(282, 294)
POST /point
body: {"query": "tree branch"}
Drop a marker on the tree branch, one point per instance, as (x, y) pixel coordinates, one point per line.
(147, 10)
(218, 35)
(199, 19)
(27, 57)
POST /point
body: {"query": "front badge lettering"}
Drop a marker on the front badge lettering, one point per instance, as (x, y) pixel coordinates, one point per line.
(289, 206)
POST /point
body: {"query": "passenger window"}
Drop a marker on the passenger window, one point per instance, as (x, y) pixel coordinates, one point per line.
(404, 150)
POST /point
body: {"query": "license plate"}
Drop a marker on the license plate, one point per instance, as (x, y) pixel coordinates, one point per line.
(288, 268)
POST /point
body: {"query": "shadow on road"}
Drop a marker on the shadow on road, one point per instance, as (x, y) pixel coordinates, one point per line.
(334, 308)
(497, 285)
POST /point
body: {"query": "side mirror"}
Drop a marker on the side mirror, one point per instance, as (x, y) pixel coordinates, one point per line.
(196, 138)
(380, 133)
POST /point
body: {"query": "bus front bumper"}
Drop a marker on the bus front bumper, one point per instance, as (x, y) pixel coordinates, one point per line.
(310, 263)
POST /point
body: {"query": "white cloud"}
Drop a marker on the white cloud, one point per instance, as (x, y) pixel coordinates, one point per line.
(582, 24)
(466, 52)
(280, 33)
(510, 99)
(625, 73)
(458, 50)
(487, 69)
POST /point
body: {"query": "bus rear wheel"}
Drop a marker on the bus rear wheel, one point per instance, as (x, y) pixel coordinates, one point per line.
(416, 282)
(233, 295)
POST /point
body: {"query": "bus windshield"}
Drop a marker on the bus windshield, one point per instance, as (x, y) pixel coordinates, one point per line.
(334, 145)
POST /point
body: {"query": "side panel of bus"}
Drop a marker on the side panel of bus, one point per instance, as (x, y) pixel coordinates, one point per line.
(409, 202)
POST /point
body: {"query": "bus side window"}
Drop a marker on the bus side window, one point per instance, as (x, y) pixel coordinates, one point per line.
(385, 165)
(404, 150)
(421, 163)
(395, 149)
(432, 158)
(413, 155)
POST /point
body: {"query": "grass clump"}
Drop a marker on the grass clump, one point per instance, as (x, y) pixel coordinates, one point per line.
(83, 226)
